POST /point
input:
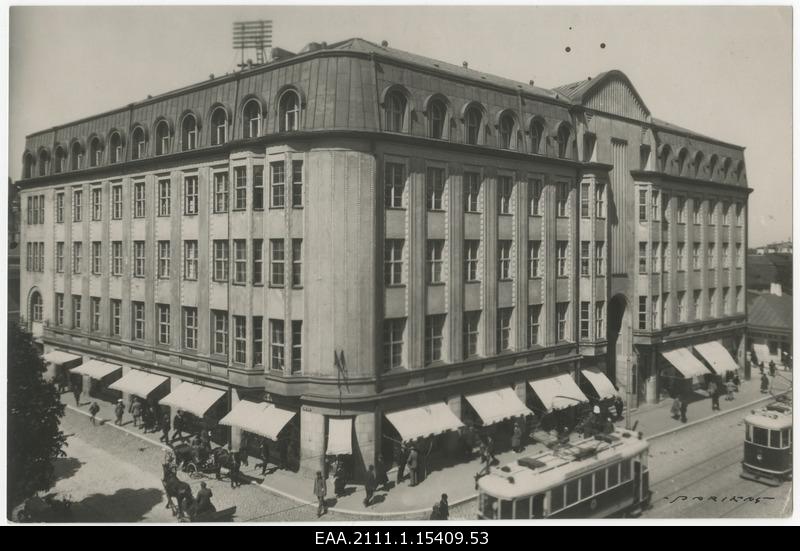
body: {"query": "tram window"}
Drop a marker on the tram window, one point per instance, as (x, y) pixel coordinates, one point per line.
(488, 506)
(760, 436)
(586, 486)
(572, 492)
(538, 506)
(748, 433)
(556, 499)
(522, 508)
(625, 467)
(506, 508)
(774, 439)
(786, 438)
(643, 459)
(600, 481)
(613, 475)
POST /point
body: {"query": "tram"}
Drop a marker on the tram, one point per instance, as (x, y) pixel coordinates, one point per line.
(599, 477)
(768, 444)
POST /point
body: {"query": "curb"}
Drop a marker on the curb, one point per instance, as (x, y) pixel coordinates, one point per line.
(109, 423)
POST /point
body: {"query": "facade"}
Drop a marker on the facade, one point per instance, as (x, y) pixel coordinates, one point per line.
(354, 232)
(13, 254)
(769, 326)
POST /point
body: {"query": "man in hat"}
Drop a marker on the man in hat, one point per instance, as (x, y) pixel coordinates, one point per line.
(413, 465)
(119, 409)
(444, 508)
(94, 409)
(369, 486)
(178, 425)
(204, 496)
(165, 426)
(320, 490)
(136, 412)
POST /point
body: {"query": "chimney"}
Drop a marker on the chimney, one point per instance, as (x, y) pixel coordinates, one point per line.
(775, 289)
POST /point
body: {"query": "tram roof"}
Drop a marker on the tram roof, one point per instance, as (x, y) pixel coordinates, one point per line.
(561, 464)
(775, 416)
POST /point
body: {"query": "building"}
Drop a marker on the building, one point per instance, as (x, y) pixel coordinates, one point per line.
(381, 246)
(769, 326)
(763, 270)
(13, 254)
(784, 247)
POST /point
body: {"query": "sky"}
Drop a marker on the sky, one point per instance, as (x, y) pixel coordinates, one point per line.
(720, 71)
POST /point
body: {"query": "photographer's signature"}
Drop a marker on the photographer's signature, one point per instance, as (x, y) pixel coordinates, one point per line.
(717, 499)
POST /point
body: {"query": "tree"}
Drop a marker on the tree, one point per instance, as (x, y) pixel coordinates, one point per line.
(34, 417)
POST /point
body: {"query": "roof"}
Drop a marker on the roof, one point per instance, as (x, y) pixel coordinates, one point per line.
(775, 416)
(768, 310)
(763, 269)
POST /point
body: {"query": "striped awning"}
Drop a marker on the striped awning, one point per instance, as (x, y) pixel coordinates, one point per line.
(196, 399)
(139, 383)
(497, 405)
(96, 369)
(423, 421)
(259, 418)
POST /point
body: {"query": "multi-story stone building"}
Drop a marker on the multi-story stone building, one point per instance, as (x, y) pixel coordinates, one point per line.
(381, 246)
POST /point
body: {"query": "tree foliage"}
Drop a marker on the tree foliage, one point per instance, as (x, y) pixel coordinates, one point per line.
(34, 418)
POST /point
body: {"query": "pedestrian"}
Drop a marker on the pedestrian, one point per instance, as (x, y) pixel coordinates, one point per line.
(490, 449)
(761, 368)
(516, 438)
(771, 368)
(444, 508)
(204, 496)
(713, 391)
(730, 388)
(369, 485)
(401, 453)
(178, 426)
(381, 478)
(684, 407)
(339, 475)
(93, 410)
(435, 514)
(235, 468)
(76, 391)
(264, 455)
(136, 412)
(119, 409)
(764, 383)
(736, 381)
(243, 450)
(486, 460)
(320, 490)
(165, 426)
(413, 465)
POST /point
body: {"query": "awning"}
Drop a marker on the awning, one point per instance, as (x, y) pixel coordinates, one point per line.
(762, 352)
(718, 357)
(59, 358)
(139, 383)
(340, 441)
(258, 418)
(600, 383)
(558, 392)
(428, 420)
(496, 405)
(195, 399)
(96, 369)
(685, 362)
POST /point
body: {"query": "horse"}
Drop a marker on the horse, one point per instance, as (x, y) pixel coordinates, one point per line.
(176, 488)
(220, 457)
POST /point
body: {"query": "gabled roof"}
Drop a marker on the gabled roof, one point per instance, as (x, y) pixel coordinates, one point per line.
(580, 92)
(769, 311)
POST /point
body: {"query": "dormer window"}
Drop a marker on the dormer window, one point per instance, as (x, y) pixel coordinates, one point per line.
(507, 131)
(28, 162)
(683, 156)
(188, 133)
(139, 143)
(162, 138)
(219, 126)
(537, 131)
(663, 159)
(115, 148)
(44, 163)
(95, 152)
(252, 119)
(563, 139)
(289, 112)
(437, 113)
(61, 160)
(77, 156)
(698, 163)
(395, 112)
(473, 119)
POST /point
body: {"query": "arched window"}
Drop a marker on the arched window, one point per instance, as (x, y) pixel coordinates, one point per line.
(473, 118)
(683, 156)
(37, 307)
(188, 133)
(44, 163)
(28, 162)
(507, 131)
(739, 170)
(289, 112)
(139, 143)
(663, 158)
(251, 115)
(115, 145)
(564, 136)
(537, 132)
(219, 126)
(76, 162)
(712, 166)
(437, 115)
(726, 167)
(95, 152)
(162, 138)
(396, 112)
(698, 164)
(61, 160)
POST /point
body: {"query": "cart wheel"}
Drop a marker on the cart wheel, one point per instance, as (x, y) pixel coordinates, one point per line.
(193, 471)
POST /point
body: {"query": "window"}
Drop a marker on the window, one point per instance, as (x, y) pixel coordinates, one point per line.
(395, 182)
(188, 133)
(190, 257)
(654, 205)
(434, 255)
(681, 305)
(504, 260)
(562, 314)
(162, 138)
(437, 114)
(712, 212)
(221, 255)
(77, 212)
(712, 302)
(535, 197)
(76, 257)
(584, 200)
(507, 132)
(297, 346)
(434, 188)
(654, 310)
(219, 335)
(726, 307)
(563, 138)
(163, 323)
(395, 112)
(278, 185)
(680, 257)
(471, 260)
(505, 187)
(642, 205)
(76, 311)
(221, 191)
(164, 257)
(95, 152)
(471, 332)
(138, 200)
(681, 210)
(561, 259)
(60, 207)
(240, 188)
(599, 316)
(655, 257)
(534, 258)
(258, 340)
(393, 262)
(585, 252)
(393, 343)
(60, 257)
(116, 203)
(96, 252)
(642, 312)
(472, 122)
(739, 255)
(251, 116)
(277, 344)
(472, 190)
(599, 258)
(94, 313)
(537, 133)
(297, 263)
(258, 187)
(278, 257)
(600, 200)
(239, 261)
(239, 339)
(116, 258)
(666, 258)
(696, 256)
(59, 309)
(115, 143)
(139, 143)
(697, 211)
(562, 199)
(61, 160)
(190, 328)
(258, 261)
(116, 317)
(97, 204)
(726, 214)
(534, 314)
(137, 309)
(739, 299)
(739, 213)
(698, 308)
(77, 157)
(190, 205)
(504, 329)
(297, 183)
(164, 192)
(289, 112)
(711, 256)
(219, 126)
(138, 259)
(434, 326)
